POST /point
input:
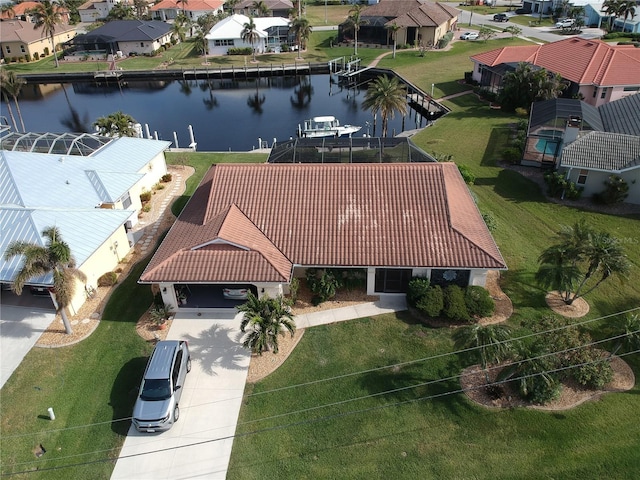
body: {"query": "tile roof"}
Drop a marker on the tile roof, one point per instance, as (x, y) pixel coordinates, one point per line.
(603, 151)
(128, 31)
(391, 8)
(190, 6)
(586, 62)
(271, 4)
(426, 15)
(20, 31)
(18, 10)
(622, 115)
(276, 215)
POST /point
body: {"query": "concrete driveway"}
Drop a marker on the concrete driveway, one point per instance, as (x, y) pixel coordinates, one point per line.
(20, 328)
(199, 444)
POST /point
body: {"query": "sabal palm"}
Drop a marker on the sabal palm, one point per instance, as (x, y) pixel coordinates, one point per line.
(261, 8)
(301, 28)
(611, 9)
(387, 96)
(250, 34)
(11, 85)
(267, 318)
(393, 28)
(117, 124)
(355, 20)
(627, 9)
(490, 343)
(48, 16)
(55, 258)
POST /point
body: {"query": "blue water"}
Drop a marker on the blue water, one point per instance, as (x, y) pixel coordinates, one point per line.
(225, 114)
(547, 147)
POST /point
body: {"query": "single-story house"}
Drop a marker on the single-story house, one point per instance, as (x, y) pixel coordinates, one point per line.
(92, 194)
(421, 22)
(227, 33)
(631, 24)
(261, 225)
(19, 39)
(598, 72)
(193, 9)
(277, 8)
(137, 37)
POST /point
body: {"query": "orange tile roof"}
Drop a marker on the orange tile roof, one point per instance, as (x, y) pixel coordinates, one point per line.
(586, 62)
(19, 9)
(190, 6)
(248, 223)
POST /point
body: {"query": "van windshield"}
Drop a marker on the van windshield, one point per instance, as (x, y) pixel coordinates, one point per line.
(156, 389)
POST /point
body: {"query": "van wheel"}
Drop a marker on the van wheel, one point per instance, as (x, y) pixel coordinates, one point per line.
(188, 364)
(176, 414)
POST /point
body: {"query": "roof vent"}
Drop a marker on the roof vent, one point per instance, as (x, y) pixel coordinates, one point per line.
(61, 159)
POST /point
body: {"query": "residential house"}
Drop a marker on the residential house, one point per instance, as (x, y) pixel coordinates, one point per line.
(91, 193)
(421, 22)
(277, 8)
(597, 72)
(193, 9)
(22, 11)
(272, 33)
(93, 10)
(261, 225)
(131, 37)
(20, 39)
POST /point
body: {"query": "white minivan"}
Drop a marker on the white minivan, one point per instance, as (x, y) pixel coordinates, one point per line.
(157, 406)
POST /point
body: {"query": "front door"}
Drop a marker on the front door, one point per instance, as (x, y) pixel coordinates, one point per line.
(392, 280)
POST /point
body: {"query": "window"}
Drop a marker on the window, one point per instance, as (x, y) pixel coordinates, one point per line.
(603, 94)
(126, 201)
(392, 280)
(224, 42)
(631, 89)
(141, 44)
(22, 49)
(446, 277)
(8, 49)
(582, 176)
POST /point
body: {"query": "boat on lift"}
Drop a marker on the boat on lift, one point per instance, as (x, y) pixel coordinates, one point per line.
(326, 126)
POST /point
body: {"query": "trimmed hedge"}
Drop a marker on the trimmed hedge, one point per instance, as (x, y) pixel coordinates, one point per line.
(454, 304)
(240, 51)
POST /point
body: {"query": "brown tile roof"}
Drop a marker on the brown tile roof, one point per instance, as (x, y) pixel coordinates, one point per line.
(190, 6)
(427, 15)
(21, 31)
(279, 215)
(586, 62)
(391, 8)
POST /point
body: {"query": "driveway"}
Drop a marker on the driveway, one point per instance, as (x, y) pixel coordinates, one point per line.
(199, 444)
(20, 328)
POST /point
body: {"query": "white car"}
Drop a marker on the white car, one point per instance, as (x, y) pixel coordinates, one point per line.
(235, 293)
(469, 36)
(564, 23)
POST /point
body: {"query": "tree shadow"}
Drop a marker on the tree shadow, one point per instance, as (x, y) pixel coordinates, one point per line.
(124, 392)
(513, 186)
(215, 348)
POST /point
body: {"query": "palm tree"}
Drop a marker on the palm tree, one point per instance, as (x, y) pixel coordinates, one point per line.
(627, 9)
(355, 21)
(302, 29)
(55, 257)
(178, 29)
(117, 124)
(490, 343)
(202, 44)
(250, 34)
(580, 255)
(260, 8)
(393, 28)
(267, 318)
(386, 95)
(48, 15)
(121, 11)
(611, 9)
(11, 85)
(184, 4)
(630, 341)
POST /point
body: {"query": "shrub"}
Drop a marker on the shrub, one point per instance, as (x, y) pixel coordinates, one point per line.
(166, 178)
(159, 186)
(616, 190)
(146, 208)
(522, 112)
(322, 283)
(240, 51)
(467, 176)
(478, 301)
(145, 196)
(511, 155)
(160, 313)
(544, 389)
(596, 373)
(294, 286)
(433, 302)
(490, 221)
(418, 287)
(108, 279)
(558, 186)
(454, 304)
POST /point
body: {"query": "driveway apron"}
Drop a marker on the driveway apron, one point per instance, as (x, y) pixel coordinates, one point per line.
(199, 444)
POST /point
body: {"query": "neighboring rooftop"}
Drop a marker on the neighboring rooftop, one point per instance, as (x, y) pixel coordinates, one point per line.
(603, 151)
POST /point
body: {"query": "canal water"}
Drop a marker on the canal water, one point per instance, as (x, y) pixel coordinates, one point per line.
(225, 114)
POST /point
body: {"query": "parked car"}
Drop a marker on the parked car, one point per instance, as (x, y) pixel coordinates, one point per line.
(469, 36)
(37, 290)
(156, 408)
(235, 293)
(500, 17)
(522, 11)
(565, 23)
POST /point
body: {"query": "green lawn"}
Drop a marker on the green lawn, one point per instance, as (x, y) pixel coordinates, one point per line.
(94, 382)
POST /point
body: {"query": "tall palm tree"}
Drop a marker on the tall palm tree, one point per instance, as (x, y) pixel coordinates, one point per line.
(490, 343)
(627, 9)
(117, 124)
(250, 34)
(11, 85)
(48, 15)
(302, 30)
(393, 28)
(387, 96)
(179, 27)
(260, 8)
(184, 4)
(611, 9)
(355, 21)
(267, 319)
(55, 257)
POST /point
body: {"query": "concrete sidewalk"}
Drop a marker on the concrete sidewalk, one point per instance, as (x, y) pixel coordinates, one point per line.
(199, 444)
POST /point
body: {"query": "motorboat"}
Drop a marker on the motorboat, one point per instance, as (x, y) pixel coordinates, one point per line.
(326, 126)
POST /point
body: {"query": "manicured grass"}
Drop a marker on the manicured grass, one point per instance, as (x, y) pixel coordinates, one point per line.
(420, 432)
(335, 14)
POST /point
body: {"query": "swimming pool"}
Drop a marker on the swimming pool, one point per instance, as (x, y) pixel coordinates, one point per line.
(547, 147)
